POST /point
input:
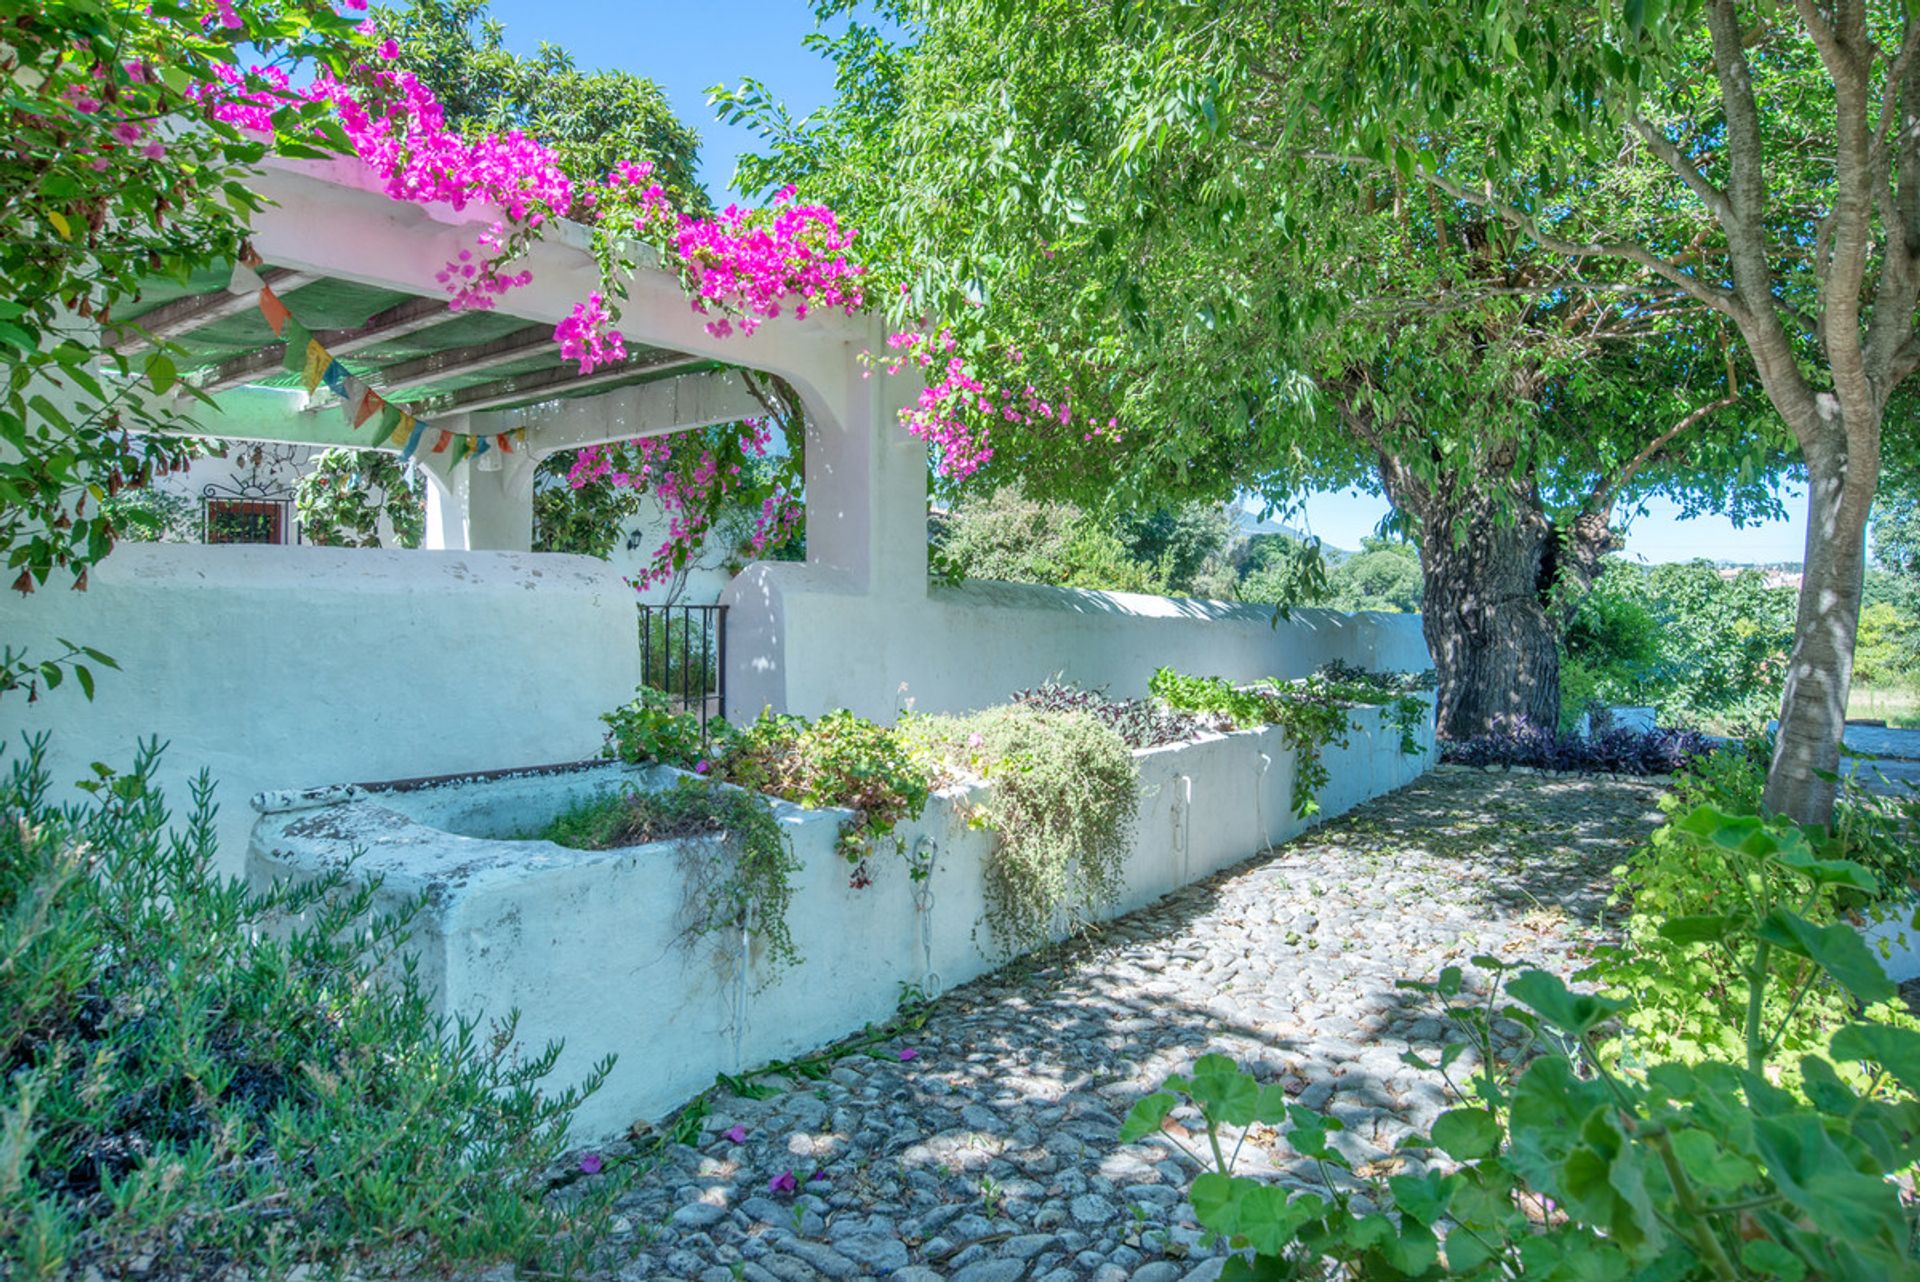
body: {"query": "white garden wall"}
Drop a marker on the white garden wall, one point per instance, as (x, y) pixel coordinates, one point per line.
(805, 639)
(586, 945)
(288, 667)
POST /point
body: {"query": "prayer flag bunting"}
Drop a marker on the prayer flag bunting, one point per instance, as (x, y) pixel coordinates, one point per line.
(306, 357)
(244, 281)
(316, 365)
(413, 439)
(297, 339)
(274, 310)
(390, 415)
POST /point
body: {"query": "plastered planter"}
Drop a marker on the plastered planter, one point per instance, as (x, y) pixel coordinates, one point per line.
(590, 946)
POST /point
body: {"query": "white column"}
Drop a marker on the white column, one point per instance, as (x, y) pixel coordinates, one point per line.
(867, 480)
(475, 511)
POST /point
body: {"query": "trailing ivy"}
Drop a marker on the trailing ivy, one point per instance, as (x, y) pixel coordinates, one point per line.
(1313, 712)
(1062, 794)
(739, 867)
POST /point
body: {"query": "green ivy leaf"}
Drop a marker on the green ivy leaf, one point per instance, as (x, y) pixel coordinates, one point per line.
(1145, 1117)
(1549, 997)
(1836, 949)
(1466, 1133)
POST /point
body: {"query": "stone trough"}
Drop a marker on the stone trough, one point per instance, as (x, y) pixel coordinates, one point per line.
(590, 946)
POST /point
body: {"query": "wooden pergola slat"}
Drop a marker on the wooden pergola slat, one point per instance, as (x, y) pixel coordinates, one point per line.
(562, 380)
(394, 323)
(458, 362)
(184, 315)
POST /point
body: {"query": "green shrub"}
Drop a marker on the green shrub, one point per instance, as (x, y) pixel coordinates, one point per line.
(738, 867)
(1313, 712)
(1570, 1160)
(180, 1082)
(1688, 1003)
(648, 730)
(840, 760)
(1063, 792)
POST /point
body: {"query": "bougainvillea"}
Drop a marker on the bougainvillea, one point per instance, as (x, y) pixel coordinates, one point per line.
(694, 475)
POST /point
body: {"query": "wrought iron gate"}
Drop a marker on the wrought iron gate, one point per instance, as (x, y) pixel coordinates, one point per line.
(683, 653)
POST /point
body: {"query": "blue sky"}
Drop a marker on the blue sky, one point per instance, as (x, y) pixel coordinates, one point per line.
(683, 49)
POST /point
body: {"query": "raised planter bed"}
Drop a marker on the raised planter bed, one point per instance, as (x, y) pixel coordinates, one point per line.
(589, 945)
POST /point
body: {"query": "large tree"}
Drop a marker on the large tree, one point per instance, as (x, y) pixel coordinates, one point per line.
(1110, 210)
(1762, 159)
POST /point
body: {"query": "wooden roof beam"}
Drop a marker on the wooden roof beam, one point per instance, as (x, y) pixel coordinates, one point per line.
(458, 362)
(169, 321)
(562, 380)
(396, 322)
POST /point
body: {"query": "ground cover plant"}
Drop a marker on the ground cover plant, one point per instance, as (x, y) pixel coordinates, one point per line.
(1572, 1159)
(1618, 750)
(184, 1086)
(1314, 712)
(1141, 723)
(837, 760)
(1062, 794)
(737, 865)
(1687, 1002)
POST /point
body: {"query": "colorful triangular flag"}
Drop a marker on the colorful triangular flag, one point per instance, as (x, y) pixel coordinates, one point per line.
(315, 366)
(274, 310)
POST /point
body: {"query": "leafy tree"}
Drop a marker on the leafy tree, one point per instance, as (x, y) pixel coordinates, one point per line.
(1760, 160)
(1010, 537)
(1100, 202)
(1383, 575)
(117, 184)
(342, 497)
(593, 120)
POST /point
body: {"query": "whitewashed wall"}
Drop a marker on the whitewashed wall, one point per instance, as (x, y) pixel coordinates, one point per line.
(287, 667)
(801, 639)
(588, 947)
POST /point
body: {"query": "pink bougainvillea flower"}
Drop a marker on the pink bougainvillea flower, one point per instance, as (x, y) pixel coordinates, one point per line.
(736, 1133)
(907, 1054)
(783, 1183)
(591, 1163)
(975, 739)
(818, 1177)
(388, 49)
(701, 766)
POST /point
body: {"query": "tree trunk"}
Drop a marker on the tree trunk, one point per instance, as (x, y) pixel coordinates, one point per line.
(1495, 644)
(1813, 707)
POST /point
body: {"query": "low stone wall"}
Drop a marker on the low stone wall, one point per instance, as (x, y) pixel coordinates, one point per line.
(289, 667)
(791, 630)
(589, 946)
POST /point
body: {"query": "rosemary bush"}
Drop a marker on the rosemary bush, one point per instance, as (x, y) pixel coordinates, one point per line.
(180, 1083)
(1063, 796)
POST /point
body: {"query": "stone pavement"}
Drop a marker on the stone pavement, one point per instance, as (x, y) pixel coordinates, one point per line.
(986, 1149)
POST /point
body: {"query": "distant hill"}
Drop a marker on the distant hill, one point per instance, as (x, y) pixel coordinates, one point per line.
(1248, 526)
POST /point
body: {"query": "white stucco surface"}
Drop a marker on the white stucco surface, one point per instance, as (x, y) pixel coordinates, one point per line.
(286, 667)
(806, 639)
(587, 945)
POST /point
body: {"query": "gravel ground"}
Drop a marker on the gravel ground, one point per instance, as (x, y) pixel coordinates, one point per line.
(990, 1152)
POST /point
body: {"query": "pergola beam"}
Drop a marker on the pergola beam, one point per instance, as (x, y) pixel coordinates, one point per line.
(562, 380)
(396, 322)
(436, 367)
(184, 315)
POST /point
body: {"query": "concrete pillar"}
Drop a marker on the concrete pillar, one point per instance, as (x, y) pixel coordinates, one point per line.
(473, 510)
(867, 480)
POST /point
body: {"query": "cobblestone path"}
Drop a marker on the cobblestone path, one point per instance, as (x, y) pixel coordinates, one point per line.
(991, 1154)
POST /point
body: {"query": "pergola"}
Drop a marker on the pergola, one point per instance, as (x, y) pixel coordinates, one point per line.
(357, 269)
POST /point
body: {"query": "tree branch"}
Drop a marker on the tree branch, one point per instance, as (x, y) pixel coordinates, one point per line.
(1605, 493)
(1670, 154)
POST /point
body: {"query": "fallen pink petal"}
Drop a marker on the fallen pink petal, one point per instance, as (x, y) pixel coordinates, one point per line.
(738, 1134)
(783, 1183)
(591, 1163)
(908, 1053)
